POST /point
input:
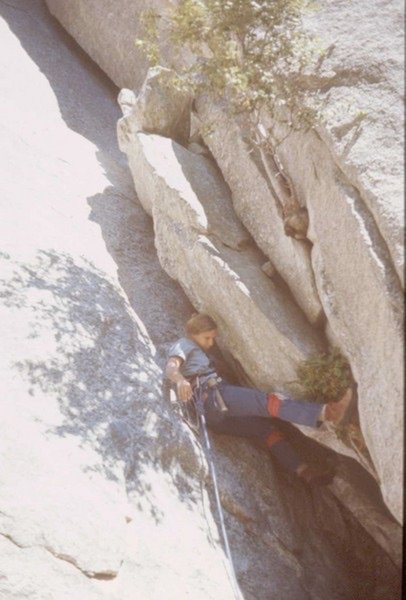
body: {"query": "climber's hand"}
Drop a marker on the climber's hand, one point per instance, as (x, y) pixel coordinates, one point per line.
(184, 390)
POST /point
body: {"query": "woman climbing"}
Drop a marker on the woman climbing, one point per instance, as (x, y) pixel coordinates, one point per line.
(245, 411)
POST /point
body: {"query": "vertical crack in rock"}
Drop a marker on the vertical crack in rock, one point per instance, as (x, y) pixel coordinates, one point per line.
(255, 203)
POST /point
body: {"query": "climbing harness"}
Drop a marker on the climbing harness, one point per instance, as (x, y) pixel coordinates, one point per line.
(198, 402)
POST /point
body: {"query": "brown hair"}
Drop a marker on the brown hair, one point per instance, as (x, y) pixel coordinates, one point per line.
(200, 322)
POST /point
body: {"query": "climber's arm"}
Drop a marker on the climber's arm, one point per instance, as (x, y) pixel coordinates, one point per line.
(172, 372)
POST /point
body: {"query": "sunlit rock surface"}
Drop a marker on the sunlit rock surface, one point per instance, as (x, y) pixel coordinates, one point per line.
(87, 315)
(357, 259)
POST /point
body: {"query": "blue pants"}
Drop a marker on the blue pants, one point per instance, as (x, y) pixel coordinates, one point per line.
(252, 413)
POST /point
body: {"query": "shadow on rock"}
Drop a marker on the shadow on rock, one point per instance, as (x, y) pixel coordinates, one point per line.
(128, 234)
(102, 371)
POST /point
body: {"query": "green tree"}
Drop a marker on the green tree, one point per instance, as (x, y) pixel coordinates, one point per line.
(252, 53)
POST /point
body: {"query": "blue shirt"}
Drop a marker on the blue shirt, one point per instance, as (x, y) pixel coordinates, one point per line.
(195, 360)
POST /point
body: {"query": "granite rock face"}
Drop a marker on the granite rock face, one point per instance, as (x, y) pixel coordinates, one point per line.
(107, 31)
(241, 298)
(360, 78)
(83, 300)
(363, 301)
(256, 204)
(54, 504)
(368, 281)
(87, 315)
(360, 81)
(356, 279)
(202, 244)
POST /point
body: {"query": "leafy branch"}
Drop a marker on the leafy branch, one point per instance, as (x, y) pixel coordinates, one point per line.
(251, 53)
(253, 56)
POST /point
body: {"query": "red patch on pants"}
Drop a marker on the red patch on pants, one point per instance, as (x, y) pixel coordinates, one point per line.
(274, 405)
(273, 438)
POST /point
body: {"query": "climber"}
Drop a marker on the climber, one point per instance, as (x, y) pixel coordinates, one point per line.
(245, 411)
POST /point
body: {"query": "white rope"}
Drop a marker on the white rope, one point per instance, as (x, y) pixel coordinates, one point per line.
(229, 565)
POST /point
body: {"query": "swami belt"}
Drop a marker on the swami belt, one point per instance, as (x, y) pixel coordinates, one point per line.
(204, 377)
(212, 383)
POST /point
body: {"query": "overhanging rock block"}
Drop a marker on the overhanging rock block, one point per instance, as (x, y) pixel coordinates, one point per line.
(202, 244)
(107, 31)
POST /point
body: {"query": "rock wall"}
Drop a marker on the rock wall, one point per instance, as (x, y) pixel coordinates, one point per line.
(93, 459)
(361, 80)
(348, 175)
(257, 207)
(363, 301)
(355, 276)
(202, 244)
(104, 491)
(100, 28)
(199, 239)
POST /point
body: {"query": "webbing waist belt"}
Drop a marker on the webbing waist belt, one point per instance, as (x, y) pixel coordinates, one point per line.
(204, 378)
(212, 382)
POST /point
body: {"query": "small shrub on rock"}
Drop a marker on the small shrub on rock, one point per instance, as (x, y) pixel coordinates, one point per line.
(325, 377)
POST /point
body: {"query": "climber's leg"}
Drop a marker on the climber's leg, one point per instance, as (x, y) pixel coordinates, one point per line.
(243, 402)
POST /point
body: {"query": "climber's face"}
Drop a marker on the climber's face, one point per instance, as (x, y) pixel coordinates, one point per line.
(205, 339)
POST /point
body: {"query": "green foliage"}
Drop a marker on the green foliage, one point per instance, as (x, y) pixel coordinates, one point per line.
(251, 52)
(325, 377)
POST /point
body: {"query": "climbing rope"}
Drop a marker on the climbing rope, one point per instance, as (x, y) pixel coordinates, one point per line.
(193, 414)
(199, 402)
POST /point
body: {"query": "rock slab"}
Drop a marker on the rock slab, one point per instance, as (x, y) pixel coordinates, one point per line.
(200, 243)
